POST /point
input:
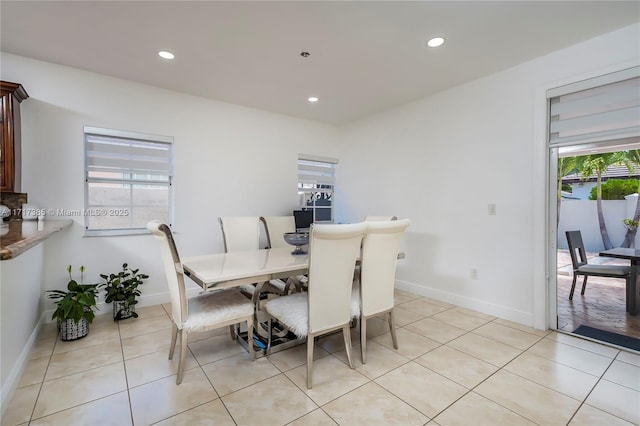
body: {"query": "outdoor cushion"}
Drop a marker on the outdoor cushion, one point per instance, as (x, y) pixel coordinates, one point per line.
(605, 269)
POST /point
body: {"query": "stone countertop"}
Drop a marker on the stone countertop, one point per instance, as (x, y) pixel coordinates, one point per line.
(21, 235)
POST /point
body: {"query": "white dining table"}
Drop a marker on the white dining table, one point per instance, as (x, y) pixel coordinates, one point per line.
(223, 270)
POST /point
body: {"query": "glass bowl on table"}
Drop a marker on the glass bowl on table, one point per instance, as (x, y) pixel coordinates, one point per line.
(297, 239)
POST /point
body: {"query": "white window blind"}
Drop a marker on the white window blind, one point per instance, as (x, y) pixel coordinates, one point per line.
(316, 183)
(601, 109)
(128, 181)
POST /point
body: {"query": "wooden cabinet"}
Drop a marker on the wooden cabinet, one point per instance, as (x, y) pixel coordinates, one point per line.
(12, 95)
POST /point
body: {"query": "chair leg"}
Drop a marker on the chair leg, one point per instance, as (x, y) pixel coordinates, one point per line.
(392, 329)
(346, 332)
(627, 286)
(174, 336)
(184, 338)
(363, 339)
(584, 284)
(232, 332)
(256, 296)
(252, 352)
(573, 285)
(309, 359)
(270, 333)
(287, 287)
(297, 285)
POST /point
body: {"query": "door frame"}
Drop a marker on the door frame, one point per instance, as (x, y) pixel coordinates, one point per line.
(545, 170)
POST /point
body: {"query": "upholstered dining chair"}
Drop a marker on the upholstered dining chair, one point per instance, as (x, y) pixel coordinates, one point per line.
(243, 233)
(379, 218)
(356, 274)
(240, 233)
(204, 312)
(275, 227)
(325, 307)
(373, 294)
(581, 265)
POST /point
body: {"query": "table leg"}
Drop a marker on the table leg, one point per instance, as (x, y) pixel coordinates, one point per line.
(632, 289)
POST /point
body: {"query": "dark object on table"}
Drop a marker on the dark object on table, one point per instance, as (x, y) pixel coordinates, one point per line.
(303, 219)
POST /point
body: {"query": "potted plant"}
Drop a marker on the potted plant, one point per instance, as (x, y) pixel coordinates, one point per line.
(630, 238)
(75, 307)
(122, 289)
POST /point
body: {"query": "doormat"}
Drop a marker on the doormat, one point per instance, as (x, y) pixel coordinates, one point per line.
(609, 337)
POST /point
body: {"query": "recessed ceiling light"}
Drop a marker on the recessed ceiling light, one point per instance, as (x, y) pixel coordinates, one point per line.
(435, 42)
(166, 55)
(312, 99)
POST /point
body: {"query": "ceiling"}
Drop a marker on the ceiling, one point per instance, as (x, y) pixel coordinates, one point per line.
(365, 56)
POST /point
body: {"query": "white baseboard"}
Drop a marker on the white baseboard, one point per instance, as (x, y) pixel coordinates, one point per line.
(521, 317)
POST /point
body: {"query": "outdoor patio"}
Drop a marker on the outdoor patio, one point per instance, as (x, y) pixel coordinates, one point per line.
(603, 304)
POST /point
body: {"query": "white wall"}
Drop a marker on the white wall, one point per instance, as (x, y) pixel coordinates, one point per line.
(582, 215)
(441, 160)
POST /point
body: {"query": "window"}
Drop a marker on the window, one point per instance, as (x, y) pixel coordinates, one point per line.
(128, 181)
(316, 179)
(603, 108)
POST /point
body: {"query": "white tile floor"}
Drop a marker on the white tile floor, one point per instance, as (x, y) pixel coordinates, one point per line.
(454, 367)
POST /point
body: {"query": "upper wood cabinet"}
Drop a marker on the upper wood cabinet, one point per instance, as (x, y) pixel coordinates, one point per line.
(10, 148)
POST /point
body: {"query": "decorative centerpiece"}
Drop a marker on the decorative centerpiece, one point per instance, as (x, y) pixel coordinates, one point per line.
(75, 307)
(297, 239)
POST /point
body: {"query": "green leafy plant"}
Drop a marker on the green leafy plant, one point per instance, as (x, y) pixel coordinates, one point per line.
(123, 288)
(79, 301)
(631, 224)
(616, 189)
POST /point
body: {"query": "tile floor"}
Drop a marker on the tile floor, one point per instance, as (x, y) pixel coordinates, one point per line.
(454, 367)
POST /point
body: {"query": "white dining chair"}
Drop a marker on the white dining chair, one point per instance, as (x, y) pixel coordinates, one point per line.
(373, 294)
(201, 313)
(242, 234)
(356, 275)
(275, 227)
(326, 306)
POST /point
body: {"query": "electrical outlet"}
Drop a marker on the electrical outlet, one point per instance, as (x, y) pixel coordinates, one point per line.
(473, 273)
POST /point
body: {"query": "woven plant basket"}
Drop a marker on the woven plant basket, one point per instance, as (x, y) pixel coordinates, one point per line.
(122, 310)
(71, 330)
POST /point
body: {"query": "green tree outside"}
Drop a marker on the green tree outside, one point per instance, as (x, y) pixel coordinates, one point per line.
(596, 164)
(616, 189)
